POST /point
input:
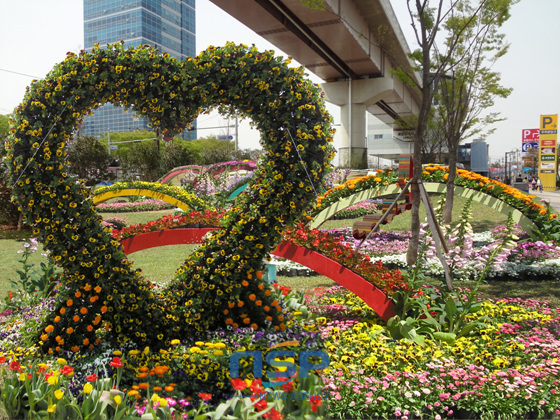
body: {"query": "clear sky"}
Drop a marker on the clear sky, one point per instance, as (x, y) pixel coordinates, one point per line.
(36, 34)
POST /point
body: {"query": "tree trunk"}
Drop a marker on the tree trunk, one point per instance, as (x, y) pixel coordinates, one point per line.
(421, 126)
(450, 191)
(412, 252)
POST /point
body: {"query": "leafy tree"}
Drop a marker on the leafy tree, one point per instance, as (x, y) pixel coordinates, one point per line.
(440, 28)
(89, 160)
(465, 93)
(209, 150)
(144, 160)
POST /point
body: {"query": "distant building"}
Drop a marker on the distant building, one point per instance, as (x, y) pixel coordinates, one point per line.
(168, 25)
(387, 143)
(474, 156)
(384, 145)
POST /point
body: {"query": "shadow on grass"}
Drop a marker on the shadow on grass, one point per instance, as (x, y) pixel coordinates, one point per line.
(15, 234)
(548, 290)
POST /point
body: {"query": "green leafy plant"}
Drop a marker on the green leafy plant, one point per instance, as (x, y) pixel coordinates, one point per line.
(425, 310)
(34, 284)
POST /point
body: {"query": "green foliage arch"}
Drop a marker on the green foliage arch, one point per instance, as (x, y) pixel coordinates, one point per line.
(218, 285)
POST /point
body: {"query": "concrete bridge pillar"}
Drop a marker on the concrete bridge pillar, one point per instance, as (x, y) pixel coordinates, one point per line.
(353, 97)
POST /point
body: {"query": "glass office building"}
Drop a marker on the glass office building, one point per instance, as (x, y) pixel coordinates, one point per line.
(168, 25)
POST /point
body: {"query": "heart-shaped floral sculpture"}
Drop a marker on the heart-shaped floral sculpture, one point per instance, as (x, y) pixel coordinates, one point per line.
(220, 284)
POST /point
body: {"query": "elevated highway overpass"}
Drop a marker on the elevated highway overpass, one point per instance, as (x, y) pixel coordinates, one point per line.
(352, 45)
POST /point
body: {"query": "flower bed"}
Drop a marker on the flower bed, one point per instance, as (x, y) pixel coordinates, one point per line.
(136, 206)
(359, 210)
(515, 356)
(508, 370)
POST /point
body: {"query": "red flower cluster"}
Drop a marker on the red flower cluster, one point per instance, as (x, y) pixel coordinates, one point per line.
(205, 218)
(388, 280)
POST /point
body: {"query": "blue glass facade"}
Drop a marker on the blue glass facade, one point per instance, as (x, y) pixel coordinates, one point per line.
(168, 25)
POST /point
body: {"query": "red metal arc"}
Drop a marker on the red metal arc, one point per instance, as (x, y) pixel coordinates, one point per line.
(371, 295)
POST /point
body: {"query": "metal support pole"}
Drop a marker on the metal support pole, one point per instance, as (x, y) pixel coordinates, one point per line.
(436, 234)
(236, 132)
(349, 123)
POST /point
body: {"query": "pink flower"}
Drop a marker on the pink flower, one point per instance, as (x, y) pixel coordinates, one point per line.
(444, 396)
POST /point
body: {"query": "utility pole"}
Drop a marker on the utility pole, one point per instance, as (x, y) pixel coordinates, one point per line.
(506, 169)
(236, 133)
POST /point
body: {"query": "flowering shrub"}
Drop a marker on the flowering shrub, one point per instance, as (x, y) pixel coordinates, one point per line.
(137, 206)
(219, 285)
